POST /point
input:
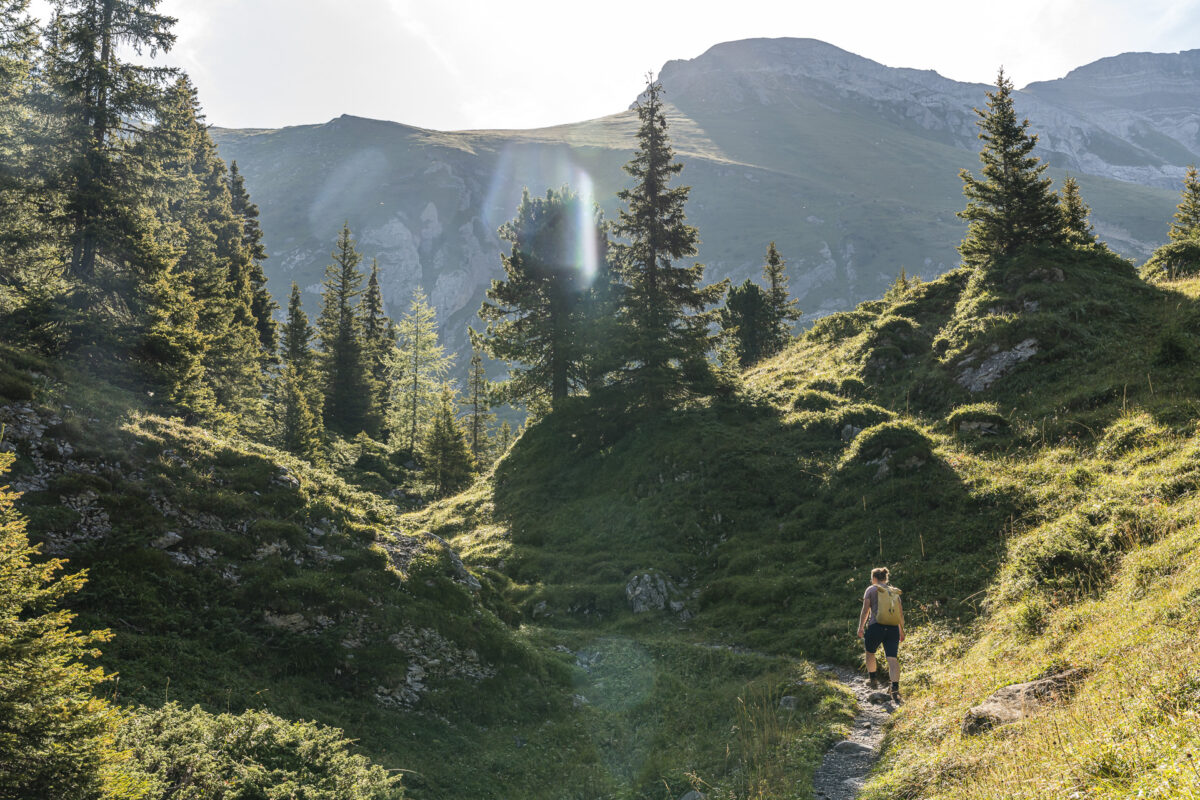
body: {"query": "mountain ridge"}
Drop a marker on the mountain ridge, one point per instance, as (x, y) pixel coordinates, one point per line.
(849, 165)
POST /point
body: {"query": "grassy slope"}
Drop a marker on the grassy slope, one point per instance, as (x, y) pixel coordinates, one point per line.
(1064, 539)
(767, 517)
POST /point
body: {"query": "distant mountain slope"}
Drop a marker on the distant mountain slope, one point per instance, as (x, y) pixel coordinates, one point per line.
(851, 166)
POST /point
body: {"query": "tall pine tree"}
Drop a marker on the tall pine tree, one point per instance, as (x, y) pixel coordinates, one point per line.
(783, 309)
(538, 316)
(664, 311)
(299, 399)
(1011, 207)
(102, 95)
(419, 363)
(378, 342)
(343, 368)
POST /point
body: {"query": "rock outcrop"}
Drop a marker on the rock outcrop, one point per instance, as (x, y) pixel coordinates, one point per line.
(1016, 702)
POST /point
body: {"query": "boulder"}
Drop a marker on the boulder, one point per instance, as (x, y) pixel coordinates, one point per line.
(651, 591)
(852, 748)
(994, 367)
(1016, 702)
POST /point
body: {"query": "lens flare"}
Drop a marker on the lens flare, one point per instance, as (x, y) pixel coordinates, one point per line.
(587, 246)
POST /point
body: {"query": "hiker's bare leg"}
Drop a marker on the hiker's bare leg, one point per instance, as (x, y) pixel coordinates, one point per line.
(870, 662)
(894, 669)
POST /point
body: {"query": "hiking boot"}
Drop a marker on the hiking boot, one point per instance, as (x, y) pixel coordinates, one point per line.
(873, 681)
(895, 694)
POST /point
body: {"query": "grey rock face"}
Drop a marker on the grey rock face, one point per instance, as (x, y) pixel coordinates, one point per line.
(652, 591)
(994, 367)
(1014, 703)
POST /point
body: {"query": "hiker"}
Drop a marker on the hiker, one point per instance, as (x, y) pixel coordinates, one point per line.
(882, 622)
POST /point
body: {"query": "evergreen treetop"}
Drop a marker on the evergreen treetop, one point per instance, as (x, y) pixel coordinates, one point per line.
(1187, 215)
(296, 341)
(1011, 206)
(419, 363)
(339, 327)
(1077, 228)
(783, 309)
(664, 310)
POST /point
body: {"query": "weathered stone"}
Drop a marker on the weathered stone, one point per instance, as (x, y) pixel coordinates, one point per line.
(849, 432)
(1016, 702)
(789, 703)
(995, 366)
(649, 591)
(852, 748)
(879, 698)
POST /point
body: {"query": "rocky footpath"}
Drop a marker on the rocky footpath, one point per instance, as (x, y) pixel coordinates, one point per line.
(844, 769)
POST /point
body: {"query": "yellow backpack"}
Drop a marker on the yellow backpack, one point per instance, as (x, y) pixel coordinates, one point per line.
(888, 610)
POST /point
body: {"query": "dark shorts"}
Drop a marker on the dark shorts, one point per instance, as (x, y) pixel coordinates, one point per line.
(886, 635)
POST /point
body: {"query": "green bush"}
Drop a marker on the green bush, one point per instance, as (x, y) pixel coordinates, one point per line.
(190, 754)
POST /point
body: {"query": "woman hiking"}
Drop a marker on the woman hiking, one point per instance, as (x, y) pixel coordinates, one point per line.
(882, 622)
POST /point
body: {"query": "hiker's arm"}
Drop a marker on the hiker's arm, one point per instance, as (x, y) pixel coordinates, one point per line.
(862, 617)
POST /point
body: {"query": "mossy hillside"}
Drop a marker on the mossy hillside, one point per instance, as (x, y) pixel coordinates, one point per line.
(235, 576)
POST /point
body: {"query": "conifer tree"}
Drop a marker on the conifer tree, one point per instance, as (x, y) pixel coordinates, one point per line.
(52, 728)
(297, 334)
(665, 312)
(378, 341)
(263, 306)
(343, 370)
(1187, 215)
(538, 316)
(102, 93)
(419, 363)
(1077, 228)
(301, 430)
(1011, 206)
(194, 218)
(479, 405)
(749, 323)
(298, 395)
(444, 449)
(783, 309)
(18, 44)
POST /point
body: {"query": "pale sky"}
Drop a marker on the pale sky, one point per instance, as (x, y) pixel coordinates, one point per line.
(455, 64)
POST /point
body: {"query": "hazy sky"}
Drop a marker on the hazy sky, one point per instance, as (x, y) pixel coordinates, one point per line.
(452, 64)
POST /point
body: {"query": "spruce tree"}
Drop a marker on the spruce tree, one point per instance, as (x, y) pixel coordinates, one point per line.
(301, 430)
(419, 363)
(538, 315)
(1011, 207)
(343, 369)
(479, 415)
(749, 323)
(379, 340)
(444, 449)
(1187, 215)
(297, 335)
(664, 311)
(193, 217)
(263, 306)
(783, 309)
(53, 729)
(101, 92)
(1077, 228)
